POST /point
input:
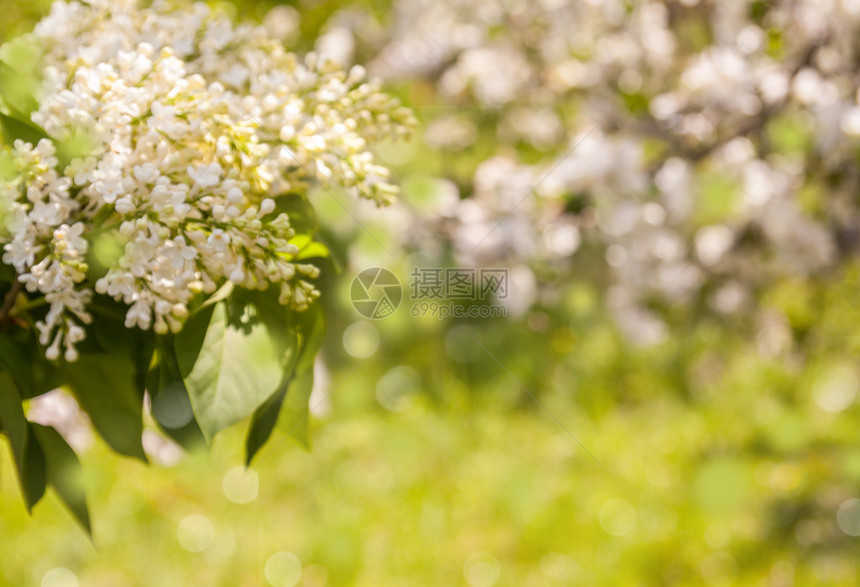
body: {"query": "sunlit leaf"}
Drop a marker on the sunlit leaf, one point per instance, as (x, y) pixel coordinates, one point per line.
(235, 370)
(295, 390)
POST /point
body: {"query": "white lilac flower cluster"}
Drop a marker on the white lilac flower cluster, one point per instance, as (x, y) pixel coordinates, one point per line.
(193, 125)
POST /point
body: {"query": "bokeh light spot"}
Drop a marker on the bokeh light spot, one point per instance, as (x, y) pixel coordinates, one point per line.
(848, 517)
(718, 568)
(396, 389)
(59, 577)
(171, 407)
(836, 389)
(360, 339)
(195, 533)
(558, 567)
(617, 517)
(482, 570)
(283, 569)
(241, 485)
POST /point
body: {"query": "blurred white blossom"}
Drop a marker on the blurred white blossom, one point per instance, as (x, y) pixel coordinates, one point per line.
(680, 139)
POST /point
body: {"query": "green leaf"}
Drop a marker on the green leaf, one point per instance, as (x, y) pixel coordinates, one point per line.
(221, 294)
(29, 458)
(112, 337)
(104, 384)
(171, 406)
(20, 75)
(14, 128)
(263, 422)
(46, 376)
(64, 473)
(303, 217)
(297, 408)
(142, 357)
(15, 358)
(105, 249)
(274, 316)
(188, 343)
(22, 54)
(236, 368)
(22, 357)
(297, 385)
(76, 143)
(266, 416)
(313, 250)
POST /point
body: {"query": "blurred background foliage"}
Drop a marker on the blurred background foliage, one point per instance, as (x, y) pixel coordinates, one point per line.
(542, 449)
